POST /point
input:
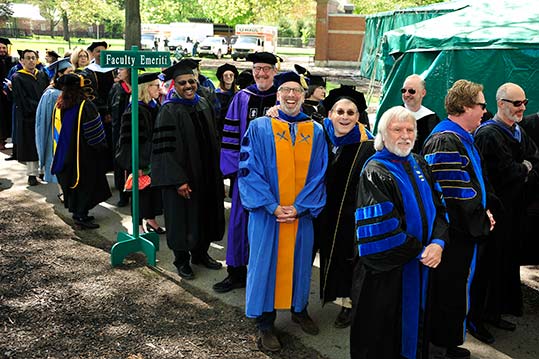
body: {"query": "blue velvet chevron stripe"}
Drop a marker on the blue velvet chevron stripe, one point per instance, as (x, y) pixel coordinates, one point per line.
(93, 131)
(451, 175)
(376, 210)
(377, 229)
(459, 192)
(450, 158)
(382, 245)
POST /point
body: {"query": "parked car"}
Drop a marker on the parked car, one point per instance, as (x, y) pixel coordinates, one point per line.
(214, 45)
(182, 42)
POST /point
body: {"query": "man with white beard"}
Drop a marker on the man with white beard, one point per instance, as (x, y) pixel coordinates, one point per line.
(401, 231)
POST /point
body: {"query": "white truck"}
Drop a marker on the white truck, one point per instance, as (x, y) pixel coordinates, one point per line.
(254, 38)
(183, 35)
(213, 46)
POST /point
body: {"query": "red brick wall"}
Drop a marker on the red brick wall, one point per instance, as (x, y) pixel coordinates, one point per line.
(339, 37)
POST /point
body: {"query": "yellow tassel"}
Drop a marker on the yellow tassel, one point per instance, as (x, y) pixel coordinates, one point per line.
(303, 82)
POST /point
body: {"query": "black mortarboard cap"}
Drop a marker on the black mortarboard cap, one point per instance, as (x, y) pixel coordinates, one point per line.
(315, 80)
(95, 44)
(224, 68)
(20, 54)
(264, 57)
(345, 93)
(179, 68)
(147, 77)
(191, 63)
(302, 70)
(283, 77)
(71, 80)
(5, 41)
(245, 78)
(60, 65)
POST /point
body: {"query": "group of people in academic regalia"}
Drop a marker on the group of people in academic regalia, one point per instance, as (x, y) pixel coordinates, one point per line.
(415, 227)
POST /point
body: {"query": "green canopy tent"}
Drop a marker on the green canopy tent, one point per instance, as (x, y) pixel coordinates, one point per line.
(372, 65)
(489, 42)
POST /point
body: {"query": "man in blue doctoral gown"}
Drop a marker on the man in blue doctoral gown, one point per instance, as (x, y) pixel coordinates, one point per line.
(246, 105)
(281, 173)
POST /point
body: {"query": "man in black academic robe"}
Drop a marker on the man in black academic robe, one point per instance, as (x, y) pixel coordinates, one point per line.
(28, 86)
(512, 162)
(401, 231)
(6, 63)
(413, 92)
(185, 166)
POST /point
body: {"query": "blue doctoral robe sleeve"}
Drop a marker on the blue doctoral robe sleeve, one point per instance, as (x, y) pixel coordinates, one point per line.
(257, 174)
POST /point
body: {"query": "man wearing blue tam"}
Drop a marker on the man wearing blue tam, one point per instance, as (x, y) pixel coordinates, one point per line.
(281, 182)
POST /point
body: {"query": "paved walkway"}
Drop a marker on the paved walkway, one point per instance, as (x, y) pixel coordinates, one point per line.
(331, 342)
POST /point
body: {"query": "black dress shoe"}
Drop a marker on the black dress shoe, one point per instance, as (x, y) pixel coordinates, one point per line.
(306, 323)
(185, 271)
(84, 223)
(479, 332)
(269, 341)
(11, 158)
(344, 319)
(207, 262)
(157, 230)
(503, 324)
(122, 202)
(32, 181)
(228, 284)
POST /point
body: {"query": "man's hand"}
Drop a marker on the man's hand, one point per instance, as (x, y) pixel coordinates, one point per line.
(185, 191)
(273, 111)
(491, 219)
(286, 214)
(432, 255)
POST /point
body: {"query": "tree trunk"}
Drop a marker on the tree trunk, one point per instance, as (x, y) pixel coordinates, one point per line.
(132, 23)
(65, 22)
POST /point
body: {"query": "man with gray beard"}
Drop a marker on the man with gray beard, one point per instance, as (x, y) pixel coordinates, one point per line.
(512, 162)
(401, 231)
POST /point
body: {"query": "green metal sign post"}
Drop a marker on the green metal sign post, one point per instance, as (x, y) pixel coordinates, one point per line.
(148, 243)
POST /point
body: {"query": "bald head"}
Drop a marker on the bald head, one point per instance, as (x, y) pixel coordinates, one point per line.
(415, 92)
(511, 101)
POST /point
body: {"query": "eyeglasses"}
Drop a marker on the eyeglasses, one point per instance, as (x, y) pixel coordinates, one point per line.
(262, 68)
(482, 104)
(341, 112)
(296, 90)
(410, 91)
(156, 85)
(183, 82)
(516, 103)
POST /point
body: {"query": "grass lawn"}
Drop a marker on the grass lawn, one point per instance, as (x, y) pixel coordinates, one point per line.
(42, 43)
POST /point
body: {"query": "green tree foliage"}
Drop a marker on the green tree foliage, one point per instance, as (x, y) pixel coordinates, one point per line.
(167, 11)
(374, 6)
(5, 11)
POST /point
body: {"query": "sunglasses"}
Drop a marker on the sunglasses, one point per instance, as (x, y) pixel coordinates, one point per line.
(516, 103)
(183, 82)
(341, 112)
(482, 104)
(410, 91)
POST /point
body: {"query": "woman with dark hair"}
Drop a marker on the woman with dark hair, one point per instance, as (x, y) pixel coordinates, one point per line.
(227, 75)
(44, 119)
(150, 197)
(79, 142)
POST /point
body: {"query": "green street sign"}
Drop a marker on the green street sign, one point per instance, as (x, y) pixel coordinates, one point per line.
(135, 59)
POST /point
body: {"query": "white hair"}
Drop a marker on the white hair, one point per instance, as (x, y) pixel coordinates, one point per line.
(399, 113)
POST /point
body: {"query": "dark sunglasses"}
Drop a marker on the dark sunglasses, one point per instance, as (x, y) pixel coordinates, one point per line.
(482, 104)
(516, 103)
(341, 112)
(410, 91)
(183, 82)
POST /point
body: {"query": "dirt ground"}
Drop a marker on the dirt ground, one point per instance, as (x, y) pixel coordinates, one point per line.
(60, 298)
